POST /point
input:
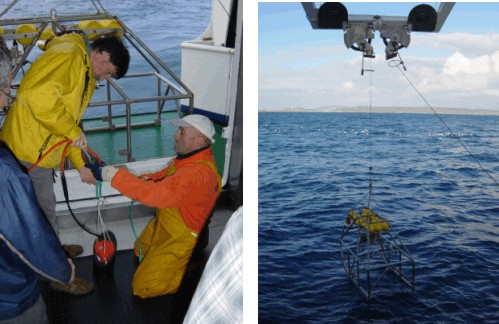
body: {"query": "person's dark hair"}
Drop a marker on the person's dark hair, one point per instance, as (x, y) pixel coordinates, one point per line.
(118, 53)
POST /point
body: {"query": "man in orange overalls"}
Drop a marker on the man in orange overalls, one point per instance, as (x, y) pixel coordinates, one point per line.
(184, 194)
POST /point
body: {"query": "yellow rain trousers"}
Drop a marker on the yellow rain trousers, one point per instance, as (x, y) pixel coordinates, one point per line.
(184, 194)
(167, 246)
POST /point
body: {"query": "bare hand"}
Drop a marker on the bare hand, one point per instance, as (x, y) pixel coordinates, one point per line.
(81, 141)
(73, 270)
(86, 175)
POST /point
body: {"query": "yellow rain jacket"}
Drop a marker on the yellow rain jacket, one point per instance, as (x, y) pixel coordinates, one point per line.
(184, 194)
(50, 102)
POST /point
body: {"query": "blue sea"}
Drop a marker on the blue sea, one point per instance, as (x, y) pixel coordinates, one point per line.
(314, 167)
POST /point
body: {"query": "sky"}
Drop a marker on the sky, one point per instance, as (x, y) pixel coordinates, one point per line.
(302, 67)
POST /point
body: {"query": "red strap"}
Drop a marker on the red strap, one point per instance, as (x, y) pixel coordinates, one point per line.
(68, 141)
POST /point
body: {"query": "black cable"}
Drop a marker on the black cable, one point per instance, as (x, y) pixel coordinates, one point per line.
(66, 195)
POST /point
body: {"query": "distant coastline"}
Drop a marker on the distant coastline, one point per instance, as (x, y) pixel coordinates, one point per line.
(395, 110)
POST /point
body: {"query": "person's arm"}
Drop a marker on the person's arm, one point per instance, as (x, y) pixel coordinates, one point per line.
(189, 184)
(24, 229)
(53, 94)
(155, 176)
(52, 91)
(219, 294)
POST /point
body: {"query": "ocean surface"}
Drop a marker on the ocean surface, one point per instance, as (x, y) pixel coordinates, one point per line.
(314, 167)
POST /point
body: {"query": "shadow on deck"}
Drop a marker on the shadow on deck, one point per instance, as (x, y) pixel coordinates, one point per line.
(112, 300)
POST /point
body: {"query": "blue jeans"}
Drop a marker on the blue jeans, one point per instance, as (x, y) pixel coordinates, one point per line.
(37, 314)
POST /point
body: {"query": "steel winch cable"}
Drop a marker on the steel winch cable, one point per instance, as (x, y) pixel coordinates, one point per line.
(369, 194)
(370, 135)
(446, 126)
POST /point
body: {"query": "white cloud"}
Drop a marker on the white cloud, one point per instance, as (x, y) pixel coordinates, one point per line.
(495, 60)
(457, 42)
(458, 63)
(347, 86)
(459, 70)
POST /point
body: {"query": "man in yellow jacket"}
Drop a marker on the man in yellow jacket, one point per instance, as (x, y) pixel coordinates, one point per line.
(48, 109)
(184, 193)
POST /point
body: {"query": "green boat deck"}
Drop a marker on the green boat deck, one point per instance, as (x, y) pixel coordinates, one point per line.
(147, 142)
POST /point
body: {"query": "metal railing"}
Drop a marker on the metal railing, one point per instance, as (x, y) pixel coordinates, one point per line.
(169, 87)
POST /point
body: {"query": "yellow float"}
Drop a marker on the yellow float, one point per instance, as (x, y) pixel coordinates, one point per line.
(25, 29)
(369, 220)
(112, 23)
(46, 35)
(90, 27)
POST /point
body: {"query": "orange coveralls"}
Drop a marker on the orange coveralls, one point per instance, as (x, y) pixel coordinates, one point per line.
(184, 193)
